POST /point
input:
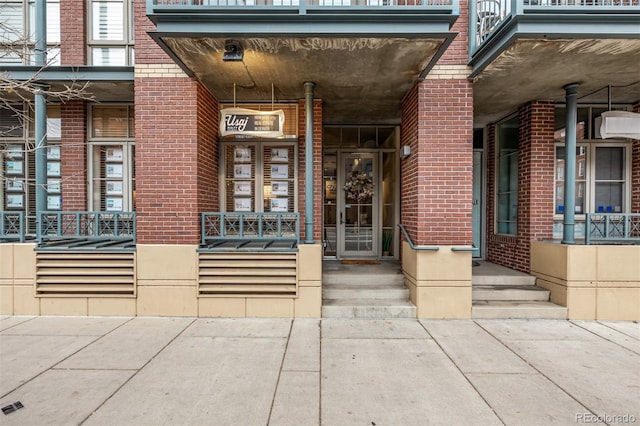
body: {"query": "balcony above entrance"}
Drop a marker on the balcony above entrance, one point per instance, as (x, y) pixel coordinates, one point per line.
(363, 57)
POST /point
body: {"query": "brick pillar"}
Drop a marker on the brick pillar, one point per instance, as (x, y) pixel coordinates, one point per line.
(536, 157)
(437, 177)
(635, 171)
(437, 123)
(73, 34)
(317, 168)
(176, 168)
(73, 153)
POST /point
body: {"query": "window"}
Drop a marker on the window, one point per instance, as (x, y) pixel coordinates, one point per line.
(111, 157)
(602, 170)
(18, 32)
(111, 32)
(259, 177)
(17, 163)
(507, 177)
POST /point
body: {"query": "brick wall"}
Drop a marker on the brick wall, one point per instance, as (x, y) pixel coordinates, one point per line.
(73, 151)
(635, 172)
(147, 50)
(208, 123)
(317, 168)
(457, 53)
(436, 179)
(73, 33)
(535, 187)
(167, 146)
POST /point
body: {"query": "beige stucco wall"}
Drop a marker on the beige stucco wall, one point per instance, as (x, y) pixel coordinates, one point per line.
(439, 281)
(167, 285)
(594, 282)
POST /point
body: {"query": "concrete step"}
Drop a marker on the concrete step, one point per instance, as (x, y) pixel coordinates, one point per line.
(513, 279)
(362, 278)
(516, 309)
(510, 292)
(350, 291)
(368, 308)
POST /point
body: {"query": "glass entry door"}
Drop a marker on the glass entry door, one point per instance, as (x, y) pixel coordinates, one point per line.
(357, 209)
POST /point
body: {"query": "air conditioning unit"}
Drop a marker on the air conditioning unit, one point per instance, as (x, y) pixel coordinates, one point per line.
(617, 124)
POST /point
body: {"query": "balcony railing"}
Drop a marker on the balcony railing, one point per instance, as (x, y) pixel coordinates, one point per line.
(612, 228)
(303, 5)
(250, 230)
(87, 225)
(492, 14)
(12, 226)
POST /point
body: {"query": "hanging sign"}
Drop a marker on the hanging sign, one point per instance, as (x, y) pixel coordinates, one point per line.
(240, 121)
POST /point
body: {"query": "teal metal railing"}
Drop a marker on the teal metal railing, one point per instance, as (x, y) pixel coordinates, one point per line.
(413, 246)
(87, 225)
(612, 228)
(303, 5)
(12, 226)
(220, 227)
(491, 15)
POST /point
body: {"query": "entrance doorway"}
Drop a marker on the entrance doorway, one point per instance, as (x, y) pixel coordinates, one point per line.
(358, 215)
(360, 167)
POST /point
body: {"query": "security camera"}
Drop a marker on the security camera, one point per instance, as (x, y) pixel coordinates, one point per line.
(233, 51)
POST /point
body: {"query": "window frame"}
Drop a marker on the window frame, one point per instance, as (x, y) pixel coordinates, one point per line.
(128, 162)
(128, 37)
(497, 191)
(259, 178)
(26, 41)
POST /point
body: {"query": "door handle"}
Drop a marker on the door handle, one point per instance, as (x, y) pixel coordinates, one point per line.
(341, 222)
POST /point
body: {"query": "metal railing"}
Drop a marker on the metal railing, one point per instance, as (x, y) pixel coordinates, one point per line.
(491, 14)
(612, 228)
(12, 226)
(219, 226)
(87, 225)
(305, 4)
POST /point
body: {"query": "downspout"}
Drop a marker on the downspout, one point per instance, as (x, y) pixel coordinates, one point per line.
(569, 223)
(40, 115)
(308, 163)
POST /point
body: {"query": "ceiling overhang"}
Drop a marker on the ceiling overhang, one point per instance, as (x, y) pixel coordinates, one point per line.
(532, 56)
(362, 61)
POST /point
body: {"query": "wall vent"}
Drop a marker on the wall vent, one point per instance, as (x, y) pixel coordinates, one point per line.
(247, 274)
(85, 274)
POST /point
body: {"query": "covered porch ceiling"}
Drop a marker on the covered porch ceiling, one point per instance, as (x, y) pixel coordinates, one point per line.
(360, 79)
(538, 69)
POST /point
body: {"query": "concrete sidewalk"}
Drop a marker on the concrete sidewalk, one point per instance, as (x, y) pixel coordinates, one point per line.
(185, 371)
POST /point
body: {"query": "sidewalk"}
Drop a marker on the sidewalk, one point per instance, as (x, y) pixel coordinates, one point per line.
(185, 371)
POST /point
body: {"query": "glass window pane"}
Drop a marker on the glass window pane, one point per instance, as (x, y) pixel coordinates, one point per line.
(53, 22)
(609, 163)
(12, 28)
(609, 197)
(108, 21)
(11, 122)
(110, 121)
(54, 122)
(109, 56)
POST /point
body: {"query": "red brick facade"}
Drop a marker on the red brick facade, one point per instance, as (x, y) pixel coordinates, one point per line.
(535, 187)
(147, 50)
(437, 177)
(74, 151)
(73, 35)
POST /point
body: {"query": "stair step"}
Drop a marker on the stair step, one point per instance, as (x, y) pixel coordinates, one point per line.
(517, 309)
(330, 278)
(368, 308)
(348, 291)
(510, 292)
(515, 279)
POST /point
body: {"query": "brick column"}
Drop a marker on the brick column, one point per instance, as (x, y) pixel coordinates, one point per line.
(73, 152)
(535, 187)
(73, 33)
(437, 123)
(437, 177)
